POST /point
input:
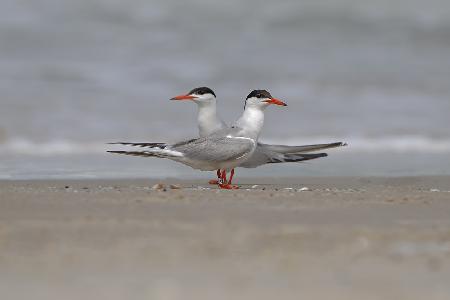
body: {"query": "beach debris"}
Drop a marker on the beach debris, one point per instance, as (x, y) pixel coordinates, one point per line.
(106, 188)
(304, 189)
(159, 187)
(435, 190)
(174, 187)
(254, 186)
(203, 188)
(289, 189)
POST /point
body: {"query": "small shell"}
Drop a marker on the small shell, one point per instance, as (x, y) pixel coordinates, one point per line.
(174, 187)
(158, 186)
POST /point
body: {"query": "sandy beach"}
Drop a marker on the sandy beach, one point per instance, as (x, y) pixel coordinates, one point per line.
(310, 238)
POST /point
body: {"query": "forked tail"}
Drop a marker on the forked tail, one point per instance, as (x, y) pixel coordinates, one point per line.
(300, 149)
(296, 157)
(160, 154)
(142, 145)
(154, 150)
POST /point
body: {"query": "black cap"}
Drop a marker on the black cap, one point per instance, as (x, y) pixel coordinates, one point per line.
(259, 94)
(201, 91)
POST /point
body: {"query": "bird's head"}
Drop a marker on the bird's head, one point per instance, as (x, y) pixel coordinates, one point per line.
(261, 99)
(198, 95)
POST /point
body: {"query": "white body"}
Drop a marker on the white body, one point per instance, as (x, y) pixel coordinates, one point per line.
(238, 141)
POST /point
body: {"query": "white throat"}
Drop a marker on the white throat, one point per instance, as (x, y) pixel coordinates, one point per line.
(251, 121)
(208, 120)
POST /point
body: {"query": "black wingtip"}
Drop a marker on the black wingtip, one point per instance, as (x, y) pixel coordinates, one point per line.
(339, 144)
(316, 155)
(142, 145)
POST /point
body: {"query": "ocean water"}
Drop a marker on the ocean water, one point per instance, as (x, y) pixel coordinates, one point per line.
(76, 74)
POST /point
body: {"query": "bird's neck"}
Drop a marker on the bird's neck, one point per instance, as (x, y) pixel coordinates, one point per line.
(251, 122)
(208, 121)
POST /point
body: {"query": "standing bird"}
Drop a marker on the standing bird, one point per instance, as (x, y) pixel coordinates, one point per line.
(210, 122)
(224, 149)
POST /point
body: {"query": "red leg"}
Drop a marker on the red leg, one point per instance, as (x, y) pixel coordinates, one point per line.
(214, 181)
(224, 176)
(224, 184)
(231, 176)
(231, 179)
(223, 181)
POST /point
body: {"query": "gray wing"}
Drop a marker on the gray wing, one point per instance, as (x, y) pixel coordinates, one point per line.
(216, 147)
(263, 156)
(265, 153)
(298, 149)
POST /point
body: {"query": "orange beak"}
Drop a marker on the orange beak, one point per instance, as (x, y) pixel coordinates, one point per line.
(276, 102)
(183, 97)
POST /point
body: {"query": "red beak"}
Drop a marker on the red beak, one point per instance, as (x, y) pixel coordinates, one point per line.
(183, 97)
(276, 102)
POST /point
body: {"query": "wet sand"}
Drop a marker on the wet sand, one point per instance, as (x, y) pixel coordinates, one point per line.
(338, 238)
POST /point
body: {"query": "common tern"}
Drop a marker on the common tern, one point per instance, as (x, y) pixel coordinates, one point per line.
(210, 122)
(224, 149)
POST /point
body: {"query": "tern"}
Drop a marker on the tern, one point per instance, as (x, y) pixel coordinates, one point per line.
(210, 122)
(224, 149)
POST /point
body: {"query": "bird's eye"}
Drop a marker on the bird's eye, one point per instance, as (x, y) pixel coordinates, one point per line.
(200, 93)
(259, 96)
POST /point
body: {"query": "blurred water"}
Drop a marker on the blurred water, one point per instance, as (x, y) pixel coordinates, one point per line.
(77, 73)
